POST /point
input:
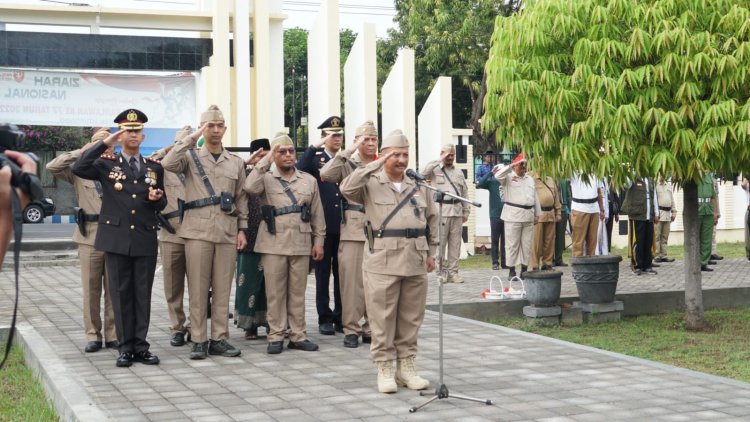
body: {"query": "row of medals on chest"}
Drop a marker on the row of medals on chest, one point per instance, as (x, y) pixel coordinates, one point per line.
(117, 175)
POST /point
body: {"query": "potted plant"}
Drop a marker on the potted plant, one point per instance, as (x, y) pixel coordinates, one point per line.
(543, 287)
(596, 277)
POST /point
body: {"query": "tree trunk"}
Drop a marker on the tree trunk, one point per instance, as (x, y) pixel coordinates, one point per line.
(694, 318)
(477, 109)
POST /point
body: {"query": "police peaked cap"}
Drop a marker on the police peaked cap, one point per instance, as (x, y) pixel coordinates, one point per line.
(131, 119)
(332, 124)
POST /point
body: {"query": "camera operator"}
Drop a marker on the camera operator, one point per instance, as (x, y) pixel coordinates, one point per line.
(27, 165)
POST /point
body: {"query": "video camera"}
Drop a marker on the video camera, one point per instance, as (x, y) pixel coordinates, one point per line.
(11, 138)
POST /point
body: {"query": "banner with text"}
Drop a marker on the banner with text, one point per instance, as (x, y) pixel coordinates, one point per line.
(86, 99)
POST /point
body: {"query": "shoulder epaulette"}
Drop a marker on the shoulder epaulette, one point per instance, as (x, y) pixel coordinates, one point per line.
(153, 160)
(108, 157)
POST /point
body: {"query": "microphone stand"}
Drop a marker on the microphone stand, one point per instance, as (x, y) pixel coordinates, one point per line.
(441, 391)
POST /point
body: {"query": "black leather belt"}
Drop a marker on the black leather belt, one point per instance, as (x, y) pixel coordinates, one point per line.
(173, 214)
(354, 207)
(665, 208)
(198, 203)
(585, 201)
(287, 210)
(92, 217)
(548, 208)
(407, 233)
(449, 201)
(526, 207)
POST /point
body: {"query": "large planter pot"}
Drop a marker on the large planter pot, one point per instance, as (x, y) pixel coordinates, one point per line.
(596, 277)
(542, 287)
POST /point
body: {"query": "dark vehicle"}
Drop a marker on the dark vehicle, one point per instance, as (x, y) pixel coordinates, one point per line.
(35, 211)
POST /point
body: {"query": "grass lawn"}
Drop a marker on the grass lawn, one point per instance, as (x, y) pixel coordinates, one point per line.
(723, 350)
(727, 250)
(21, 396)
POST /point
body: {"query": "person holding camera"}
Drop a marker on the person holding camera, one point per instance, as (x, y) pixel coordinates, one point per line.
(93, 275)
(25, 164)
(292, 231)
(215, 216)
(132, 190)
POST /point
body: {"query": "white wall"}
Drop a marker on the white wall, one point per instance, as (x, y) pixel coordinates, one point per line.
(360, 83)
(323, 68)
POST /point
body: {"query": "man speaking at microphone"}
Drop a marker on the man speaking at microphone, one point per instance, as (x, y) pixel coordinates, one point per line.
(401, 229)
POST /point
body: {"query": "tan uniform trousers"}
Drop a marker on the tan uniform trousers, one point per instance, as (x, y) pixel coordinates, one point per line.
(209, 265)
(352, 287)
(286, 282)
(94, 280)
(584, 227)
(661, 232)
(173, 262)
(543, 244)
(518, 238)
(451, 238)
(395, 305)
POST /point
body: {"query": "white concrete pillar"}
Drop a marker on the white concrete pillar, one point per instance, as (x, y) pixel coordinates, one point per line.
(397, 99)
(219, 78)
(435, 121)
(262, 54)
(360, 82)
(323, 68)
(241, 122)
(275, 100)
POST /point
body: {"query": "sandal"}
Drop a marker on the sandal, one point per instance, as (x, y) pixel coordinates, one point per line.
(252, 333)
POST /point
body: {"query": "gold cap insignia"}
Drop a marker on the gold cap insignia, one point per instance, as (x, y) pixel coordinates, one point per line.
(335, 122)
(132, 116)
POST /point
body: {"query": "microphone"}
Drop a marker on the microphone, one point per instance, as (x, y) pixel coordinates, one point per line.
(414, 175)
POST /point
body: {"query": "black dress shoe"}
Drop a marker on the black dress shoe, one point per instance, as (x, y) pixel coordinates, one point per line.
(114, 344)
(351, 341)
(147, 358)
(275, 347)
(716, 257)
(711, 262)
(93, 346)
(338, 327)
(177, 340)
(125, 359)
(366, 339)
(511, 273)
(305, 345)
(705, 268)
(326, 329)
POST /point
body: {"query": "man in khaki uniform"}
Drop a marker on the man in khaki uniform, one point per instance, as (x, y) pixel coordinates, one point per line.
(445, 176)
(351, 246)
(292, 231)
(667, 214)
(172, 247)
(520, 212)
(543, 243)
(215, 214)
(93, 276)
(399, 253)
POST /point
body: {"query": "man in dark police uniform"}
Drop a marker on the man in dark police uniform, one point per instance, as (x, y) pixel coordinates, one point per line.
(132, 190)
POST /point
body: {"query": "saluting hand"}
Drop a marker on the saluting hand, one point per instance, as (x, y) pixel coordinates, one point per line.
(383, 158)
(198, 132)
(317, 252)
(155, 194)
(113, 139)
(253, 158)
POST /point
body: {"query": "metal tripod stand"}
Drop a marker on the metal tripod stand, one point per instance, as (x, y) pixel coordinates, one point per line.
(441, 391)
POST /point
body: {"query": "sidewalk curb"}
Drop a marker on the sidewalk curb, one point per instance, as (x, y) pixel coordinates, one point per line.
(68, 396)
(59, 219)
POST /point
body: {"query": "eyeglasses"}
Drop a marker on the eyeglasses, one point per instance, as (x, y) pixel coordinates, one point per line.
(285, 151)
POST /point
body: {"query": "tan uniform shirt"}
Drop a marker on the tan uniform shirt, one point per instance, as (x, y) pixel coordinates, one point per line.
(546, 193)
(519, 191)
(227, 174)
(174, 188)
(88, 196)
(436, 173)
(666, 200)
(293, 236)
(336, 170)
(398, 256)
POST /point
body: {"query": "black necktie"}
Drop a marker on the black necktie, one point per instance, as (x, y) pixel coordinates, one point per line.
(133, 165)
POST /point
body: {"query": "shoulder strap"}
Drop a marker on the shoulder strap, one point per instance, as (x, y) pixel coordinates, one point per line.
(450, 181)
(352, 164)
(202, 172)
(288, 190)
(554, 195)
(395, 210)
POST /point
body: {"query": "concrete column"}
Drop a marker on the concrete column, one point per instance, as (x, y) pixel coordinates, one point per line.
(360, 82)
(241, 122)
(219, 78)
(397, 99)
(435, 121)
(261, 59)
(323, 68)
(275, 101)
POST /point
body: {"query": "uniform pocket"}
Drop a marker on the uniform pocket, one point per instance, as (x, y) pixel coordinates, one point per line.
(109, 220)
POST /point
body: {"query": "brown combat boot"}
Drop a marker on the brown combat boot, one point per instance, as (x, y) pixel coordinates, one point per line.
(407, 375)
(386, 377)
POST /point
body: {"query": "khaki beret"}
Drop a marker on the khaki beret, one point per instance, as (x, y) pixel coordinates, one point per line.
(281, 138)
(366, 128)
(213, 113)
(395, 139)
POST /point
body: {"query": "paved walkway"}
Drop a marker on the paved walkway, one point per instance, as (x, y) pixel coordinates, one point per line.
(527, 376)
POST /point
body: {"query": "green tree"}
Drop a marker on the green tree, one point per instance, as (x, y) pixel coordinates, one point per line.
(624, 89)
(450, 38)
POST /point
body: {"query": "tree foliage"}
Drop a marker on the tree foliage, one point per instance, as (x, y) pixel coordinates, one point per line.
(660, 87)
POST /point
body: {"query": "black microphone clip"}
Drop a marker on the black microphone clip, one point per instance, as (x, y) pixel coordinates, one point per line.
(414, 175)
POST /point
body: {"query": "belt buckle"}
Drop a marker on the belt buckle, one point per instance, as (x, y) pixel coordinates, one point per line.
(411, 233)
